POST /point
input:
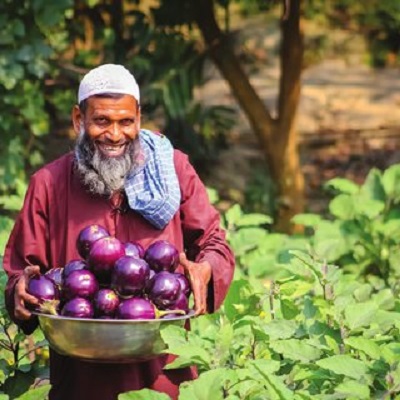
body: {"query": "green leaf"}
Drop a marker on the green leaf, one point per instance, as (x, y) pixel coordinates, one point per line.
(358, 315)
(386, 319)
(18, 383)
(391, 182)
(280, 329)
(253, 220)
(331, 241)
(373, 188)
(289, 309)
(384, 299)
(344, 365)
(261, 265)
(173, 335)
(311, 372)
(39, 393)
(276, 388)
(351, 389)
(233, 214)
(247, 239)
(390, 229)
(188, 353)
(390, 352)
(367, 346)
(144, 394)
(6, 225)
(371, 208)
(295, 288)
(308, 262)
(342, 207)
(295, 349)
(306, 219)
(268, 366)
(223, 342)
(241, 301)
(342, 185)
(212, 195)
(208, 386)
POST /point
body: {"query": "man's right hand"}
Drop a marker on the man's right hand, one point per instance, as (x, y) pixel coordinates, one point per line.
(21, 296)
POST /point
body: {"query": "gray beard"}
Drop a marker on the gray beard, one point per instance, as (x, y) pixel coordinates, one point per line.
(103, 175)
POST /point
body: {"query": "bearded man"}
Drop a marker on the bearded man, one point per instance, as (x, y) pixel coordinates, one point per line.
(132, 182)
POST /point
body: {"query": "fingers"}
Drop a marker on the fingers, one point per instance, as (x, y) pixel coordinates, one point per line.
(21, 297)
(200, 299)
(184, 261)
(31, 270)
(198, 281)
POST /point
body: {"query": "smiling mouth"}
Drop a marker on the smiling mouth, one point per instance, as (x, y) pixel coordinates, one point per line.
(112, 150)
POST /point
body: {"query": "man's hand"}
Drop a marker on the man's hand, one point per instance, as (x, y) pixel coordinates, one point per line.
(21, 297)
(199, 275)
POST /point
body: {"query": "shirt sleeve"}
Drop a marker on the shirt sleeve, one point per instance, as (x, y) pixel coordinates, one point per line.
(204, 239)
(27, 245)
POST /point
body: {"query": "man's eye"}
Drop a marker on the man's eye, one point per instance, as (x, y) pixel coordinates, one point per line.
(101, 121)
(127, 121)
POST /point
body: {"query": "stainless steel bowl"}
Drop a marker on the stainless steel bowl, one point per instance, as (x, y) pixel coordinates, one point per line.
(107, 340)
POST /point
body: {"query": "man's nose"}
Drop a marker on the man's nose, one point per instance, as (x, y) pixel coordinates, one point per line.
(115, 132)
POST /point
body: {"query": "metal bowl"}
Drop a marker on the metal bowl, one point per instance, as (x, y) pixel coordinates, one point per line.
(107, 340)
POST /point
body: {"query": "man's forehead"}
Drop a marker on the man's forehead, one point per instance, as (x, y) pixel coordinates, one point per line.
(123, 103)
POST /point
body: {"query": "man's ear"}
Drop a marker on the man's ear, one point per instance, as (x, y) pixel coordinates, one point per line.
(77, 119)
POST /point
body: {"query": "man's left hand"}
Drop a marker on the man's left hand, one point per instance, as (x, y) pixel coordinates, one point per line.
(199, 275)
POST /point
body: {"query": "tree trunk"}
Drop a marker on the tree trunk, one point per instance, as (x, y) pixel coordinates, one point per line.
(277, 137)
(290, 179)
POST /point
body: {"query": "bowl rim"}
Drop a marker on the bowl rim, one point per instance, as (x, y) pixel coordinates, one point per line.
(189, 315)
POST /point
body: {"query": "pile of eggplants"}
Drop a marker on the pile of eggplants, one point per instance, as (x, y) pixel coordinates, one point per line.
(114, 280)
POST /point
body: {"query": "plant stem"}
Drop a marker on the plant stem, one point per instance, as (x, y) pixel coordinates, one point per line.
(271, 299)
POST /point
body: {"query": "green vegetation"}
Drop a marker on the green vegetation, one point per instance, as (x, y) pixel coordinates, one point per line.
(309, 316)
(315, 316)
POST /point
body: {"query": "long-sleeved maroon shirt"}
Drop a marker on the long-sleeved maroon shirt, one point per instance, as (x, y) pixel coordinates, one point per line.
(55, 210)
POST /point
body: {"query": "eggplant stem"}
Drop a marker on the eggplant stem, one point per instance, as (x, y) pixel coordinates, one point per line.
(161, 313)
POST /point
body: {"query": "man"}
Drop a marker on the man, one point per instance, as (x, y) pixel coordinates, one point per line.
(132, 182)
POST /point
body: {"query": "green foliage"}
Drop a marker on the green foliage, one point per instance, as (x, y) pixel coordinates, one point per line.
(29, 41)
(305, 317)
(23, 360)
(6, 225)
(310, 335)
(144, 394)
(260, 192)
(378, 21)
(362, 234)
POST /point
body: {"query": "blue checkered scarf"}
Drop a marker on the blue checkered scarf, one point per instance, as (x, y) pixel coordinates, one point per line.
(153, 188)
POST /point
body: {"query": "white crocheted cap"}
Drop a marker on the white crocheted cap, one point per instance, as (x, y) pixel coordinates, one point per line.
(108, 78)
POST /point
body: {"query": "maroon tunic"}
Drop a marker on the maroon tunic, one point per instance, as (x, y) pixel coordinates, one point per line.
(55, 210)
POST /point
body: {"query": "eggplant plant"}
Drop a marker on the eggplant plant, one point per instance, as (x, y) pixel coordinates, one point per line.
(317, 334)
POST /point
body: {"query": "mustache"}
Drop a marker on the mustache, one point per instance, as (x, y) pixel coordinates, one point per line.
(110, 142)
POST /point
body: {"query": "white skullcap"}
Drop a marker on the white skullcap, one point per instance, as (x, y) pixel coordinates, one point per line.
(108, 78)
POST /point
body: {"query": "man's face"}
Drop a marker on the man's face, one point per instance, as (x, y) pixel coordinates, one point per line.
(110, 123)
(108, 142)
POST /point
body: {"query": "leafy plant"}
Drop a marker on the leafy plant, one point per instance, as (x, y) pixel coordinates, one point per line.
(362, 234)
(317, 334)
(23, 360)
